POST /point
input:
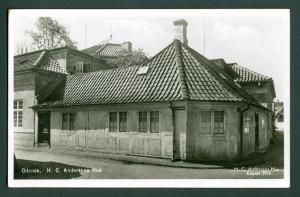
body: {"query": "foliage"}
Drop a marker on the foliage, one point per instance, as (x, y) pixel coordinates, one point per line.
(22, 48)
(127, 58)
(50, 34)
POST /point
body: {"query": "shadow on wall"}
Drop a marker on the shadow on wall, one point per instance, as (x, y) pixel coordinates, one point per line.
(27, 169)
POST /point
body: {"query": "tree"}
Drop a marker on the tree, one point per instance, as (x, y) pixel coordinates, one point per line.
(50, 34)
(127, 58)
(22, 48)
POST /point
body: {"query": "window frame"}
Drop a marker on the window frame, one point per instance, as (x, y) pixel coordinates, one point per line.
(201, 122)
(145, 124)
(122, 124)
(113, 127)
(154, 119)
(246, 123)
(77, 64)
(18, 114)
(214, 123)
(70, 121)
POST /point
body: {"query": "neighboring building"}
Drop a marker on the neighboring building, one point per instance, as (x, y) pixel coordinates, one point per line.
(279, 115)
(178, 105)
(259, 86)
(107, 51)
(35, 75)
(74, 61)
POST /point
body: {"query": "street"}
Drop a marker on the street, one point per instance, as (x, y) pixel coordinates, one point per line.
(109, 169)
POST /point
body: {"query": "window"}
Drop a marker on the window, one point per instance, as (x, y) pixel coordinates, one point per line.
(79, 67)
(280, 118)
(143, 70)
(154, 122)
(205, 122)
(219, 122)
(142, 122)
(68, 121)
(112, 121)
(18, 113)
(123, 121)
(246, 123)
(263, 121)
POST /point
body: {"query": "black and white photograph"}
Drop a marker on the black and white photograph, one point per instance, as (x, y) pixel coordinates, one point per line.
(149, 98)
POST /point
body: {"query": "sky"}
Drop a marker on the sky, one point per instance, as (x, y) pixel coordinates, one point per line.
(259, 42)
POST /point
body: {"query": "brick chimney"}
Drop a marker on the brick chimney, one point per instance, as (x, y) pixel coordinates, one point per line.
(180, 31)
(127, 46)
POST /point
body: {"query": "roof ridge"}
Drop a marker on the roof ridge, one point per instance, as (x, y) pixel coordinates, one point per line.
(101, 48)
(28, 53)
(39, 59)
(180, 68)
(231, 84)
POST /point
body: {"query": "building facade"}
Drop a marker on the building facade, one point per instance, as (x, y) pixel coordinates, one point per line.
(35, 75)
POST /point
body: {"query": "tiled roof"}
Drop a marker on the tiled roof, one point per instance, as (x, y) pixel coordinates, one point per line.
(26, 61)
(39, 59)
(92, 50)
(176, 73)
(107, 50)
(247, 75)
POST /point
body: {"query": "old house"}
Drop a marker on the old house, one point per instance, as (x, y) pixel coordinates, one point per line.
(178, 105)
(36, 74)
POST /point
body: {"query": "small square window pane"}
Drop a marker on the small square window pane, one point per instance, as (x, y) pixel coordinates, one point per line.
(143, 122)
(20, 105)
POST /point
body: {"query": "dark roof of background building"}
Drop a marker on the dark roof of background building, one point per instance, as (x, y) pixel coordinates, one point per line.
(247, 75)
(175, 73)
(240, 73)
(38, 59)
(107, 50)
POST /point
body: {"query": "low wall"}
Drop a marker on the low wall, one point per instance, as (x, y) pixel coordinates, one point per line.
(157, 145)
(23, 139)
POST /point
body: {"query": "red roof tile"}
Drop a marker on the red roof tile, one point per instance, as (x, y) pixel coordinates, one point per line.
(247, 75)
(176, 73)
(39, 59)
(107, 50)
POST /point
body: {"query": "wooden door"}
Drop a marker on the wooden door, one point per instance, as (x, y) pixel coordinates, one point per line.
(44, 128)
(179, 135)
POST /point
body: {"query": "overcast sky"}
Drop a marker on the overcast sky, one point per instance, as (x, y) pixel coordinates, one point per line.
(259, 43)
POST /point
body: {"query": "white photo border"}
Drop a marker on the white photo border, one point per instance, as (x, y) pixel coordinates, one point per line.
(151, 183)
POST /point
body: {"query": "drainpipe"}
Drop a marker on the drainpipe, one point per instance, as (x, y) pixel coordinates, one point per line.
(241, 129)
(173, 130)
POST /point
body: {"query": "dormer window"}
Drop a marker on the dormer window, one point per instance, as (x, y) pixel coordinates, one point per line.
(82, 67)
(79, 67)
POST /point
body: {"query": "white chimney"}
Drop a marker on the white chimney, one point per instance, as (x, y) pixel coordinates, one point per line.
(180, 30)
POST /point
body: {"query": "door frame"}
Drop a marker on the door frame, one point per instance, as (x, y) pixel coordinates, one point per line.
(177, 154)
(40, 114)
